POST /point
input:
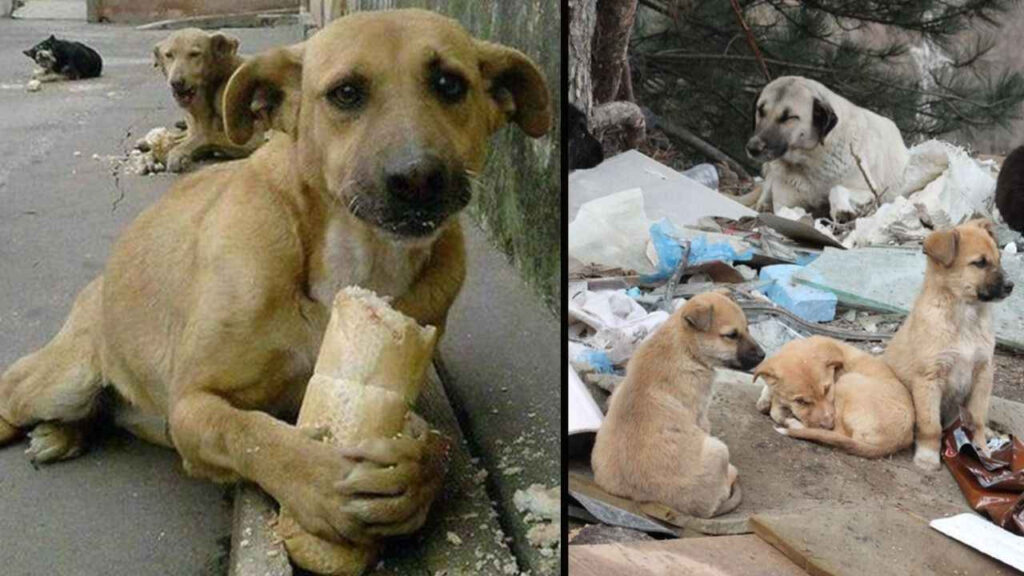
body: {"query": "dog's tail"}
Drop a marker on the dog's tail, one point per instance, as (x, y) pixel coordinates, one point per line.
(732, 502)
(750, 198)
(833, 438)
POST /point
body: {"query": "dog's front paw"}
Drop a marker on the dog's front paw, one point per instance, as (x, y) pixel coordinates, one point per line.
(52, 441)
(396, 480)
(764, 402)
(927, 458)
(178, 162)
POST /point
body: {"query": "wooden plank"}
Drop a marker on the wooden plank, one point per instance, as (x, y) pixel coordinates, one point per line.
(711, 556)
(858, 540)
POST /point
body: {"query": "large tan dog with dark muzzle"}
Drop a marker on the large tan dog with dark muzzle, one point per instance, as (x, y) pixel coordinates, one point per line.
(943, 351)
(208, 318)
(810, 139)
(655, 445)
(197, 66)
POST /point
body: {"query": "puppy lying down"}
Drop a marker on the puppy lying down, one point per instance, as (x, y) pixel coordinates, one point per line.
(829, 392)
(655, 445)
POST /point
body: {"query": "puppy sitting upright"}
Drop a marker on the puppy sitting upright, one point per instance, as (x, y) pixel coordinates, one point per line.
(840, 396)
(197, 66)
(943, 351)
(655, 444)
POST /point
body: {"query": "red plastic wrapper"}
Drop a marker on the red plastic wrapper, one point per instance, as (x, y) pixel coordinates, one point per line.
(992, 484)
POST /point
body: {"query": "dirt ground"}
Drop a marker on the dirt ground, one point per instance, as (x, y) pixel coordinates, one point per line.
(1009, 382)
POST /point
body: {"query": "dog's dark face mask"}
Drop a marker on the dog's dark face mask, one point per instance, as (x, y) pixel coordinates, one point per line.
(42, 54)
(789, 116)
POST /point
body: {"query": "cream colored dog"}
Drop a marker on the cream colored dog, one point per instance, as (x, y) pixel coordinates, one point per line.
(197, 66)
(827, 391)
(809, 138)
(943, 351)
(655, 444)
(208, 318)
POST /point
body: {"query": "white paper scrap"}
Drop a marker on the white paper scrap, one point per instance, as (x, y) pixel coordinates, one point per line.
(984, 536)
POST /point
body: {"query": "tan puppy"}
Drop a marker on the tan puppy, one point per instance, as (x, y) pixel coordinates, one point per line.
(197, 66)
(655, 444)
(208, 318)
(943, 351)
(827, 391)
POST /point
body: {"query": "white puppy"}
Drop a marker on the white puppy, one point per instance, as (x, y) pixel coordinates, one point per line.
(810, 137)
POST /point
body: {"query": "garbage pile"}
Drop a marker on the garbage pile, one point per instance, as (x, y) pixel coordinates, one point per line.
(643, 238)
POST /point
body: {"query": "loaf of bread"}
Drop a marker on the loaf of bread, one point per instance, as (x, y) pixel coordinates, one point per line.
(372, 363)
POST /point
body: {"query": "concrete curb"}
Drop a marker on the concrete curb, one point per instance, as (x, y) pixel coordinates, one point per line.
(255, 549)
(284, 17)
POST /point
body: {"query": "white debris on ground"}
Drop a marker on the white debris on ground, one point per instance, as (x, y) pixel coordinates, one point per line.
(541, 507)
(33, 85)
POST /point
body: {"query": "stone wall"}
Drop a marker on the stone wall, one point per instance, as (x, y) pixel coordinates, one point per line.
(136, 12)
(519, 200)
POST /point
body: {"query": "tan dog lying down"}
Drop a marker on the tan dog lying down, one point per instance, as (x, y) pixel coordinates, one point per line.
(209, 315)
(943, 351)
(827, 391)
(655, 444)
(197, 66)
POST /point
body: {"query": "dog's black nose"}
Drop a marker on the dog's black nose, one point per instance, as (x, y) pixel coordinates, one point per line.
(178, 85)
(417, 179)
(755, 147)
(1008, 287)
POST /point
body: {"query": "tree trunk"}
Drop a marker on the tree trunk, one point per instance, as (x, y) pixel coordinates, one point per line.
(582, 20)
(611, 41)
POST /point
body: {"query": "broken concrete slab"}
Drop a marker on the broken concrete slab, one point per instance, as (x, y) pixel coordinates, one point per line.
(667, 193)
(984, 536)
(866, 539)
(782, 475)
(720, 556)
(602, 534)
(810, 304)
(888, 280)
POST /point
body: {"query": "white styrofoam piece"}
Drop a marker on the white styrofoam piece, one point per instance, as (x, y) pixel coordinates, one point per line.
(984, 536)
(584, 414)
(667, 193)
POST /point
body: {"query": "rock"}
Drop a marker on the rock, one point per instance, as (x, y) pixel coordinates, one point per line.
(33, 85)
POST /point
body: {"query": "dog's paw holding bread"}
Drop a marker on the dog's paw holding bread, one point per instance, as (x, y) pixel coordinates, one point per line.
(655, 445)
(371, 366)
(943, 351)
(829, 392)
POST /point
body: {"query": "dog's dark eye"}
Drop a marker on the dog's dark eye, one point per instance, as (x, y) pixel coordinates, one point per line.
(348, 96)
(802, 401)
(982, 263)
(731, 335)
(450, 87)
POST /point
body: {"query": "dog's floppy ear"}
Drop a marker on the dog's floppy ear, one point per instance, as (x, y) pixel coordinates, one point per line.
(942, 245)
(823, 117)
(517, 85)
(985, 224)
(158, 57)
(267, 87)
(223, 45)
(766, 372)
(700, 315)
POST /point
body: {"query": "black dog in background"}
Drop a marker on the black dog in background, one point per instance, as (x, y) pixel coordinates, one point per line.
(62, 58)
(584, 150)
(1010, 190)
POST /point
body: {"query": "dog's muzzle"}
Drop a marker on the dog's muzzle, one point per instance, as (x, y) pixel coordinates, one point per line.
(414, 196)
(748, 354)
(996, 290)
(183, 93)
(759, 149)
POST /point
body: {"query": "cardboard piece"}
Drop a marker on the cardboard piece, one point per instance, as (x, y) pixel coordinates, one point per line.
(719, 556)
(853, 540)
